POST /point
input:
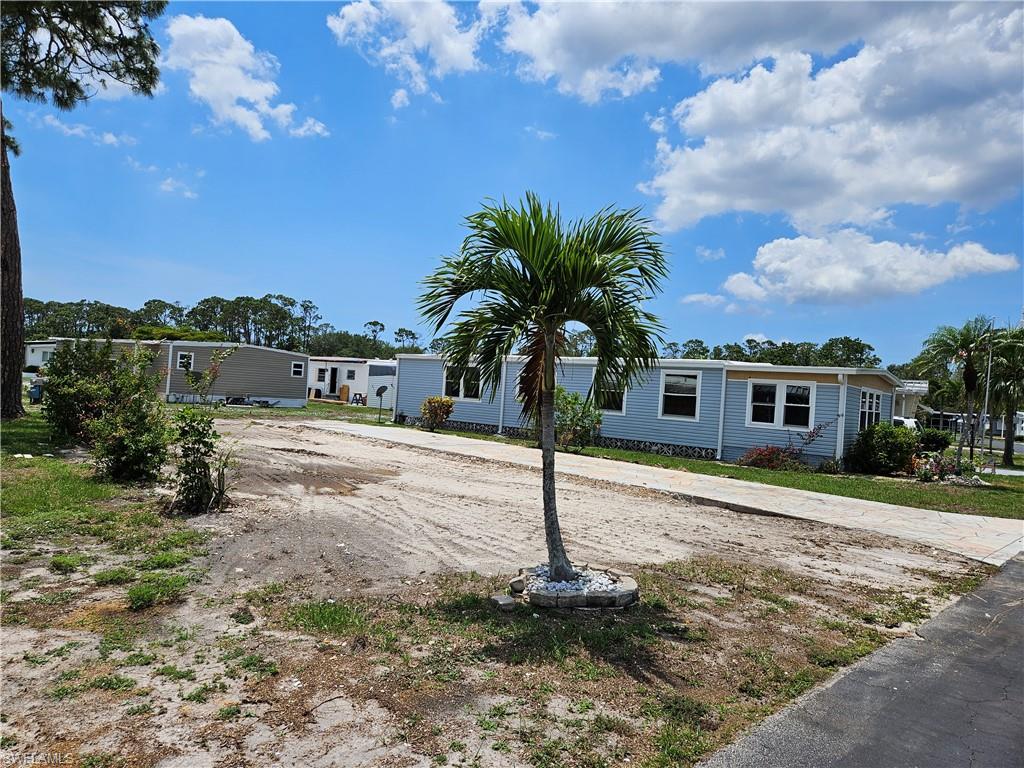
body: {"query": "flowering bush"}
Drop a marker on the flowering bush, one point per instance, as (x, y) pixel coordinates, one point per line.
(435, 411)
(930, 467)
(774, 457)
(577, 420)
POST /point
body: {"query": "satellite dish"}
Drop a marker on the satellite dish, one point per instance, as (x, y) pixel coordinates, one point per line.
(381, 390)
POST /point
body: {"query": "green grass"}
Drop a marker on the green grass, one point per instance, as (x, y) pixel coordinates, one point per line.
(156, 588)
(329, 618)
(29, 434)
(111, 576)
(166, 559)
(312, 410)
(68, 563)
(1004, 497)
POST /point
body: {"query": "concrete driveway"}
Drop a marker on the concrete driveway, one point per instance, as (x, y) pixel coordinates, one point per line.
(988, 539)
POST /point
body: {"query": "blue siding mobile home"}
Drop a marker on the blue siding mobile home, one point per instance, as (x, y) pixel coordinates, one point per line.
(701, 408)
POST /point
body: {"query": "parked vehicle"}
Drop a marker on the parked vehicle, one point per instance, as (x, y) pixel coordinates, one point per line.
(902, 421)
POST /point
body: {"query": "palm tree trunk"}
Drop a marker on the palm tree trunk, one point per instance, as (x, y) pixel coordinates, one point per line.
(968, 429)
(12, 316)
(1009, 432)
(558, 562)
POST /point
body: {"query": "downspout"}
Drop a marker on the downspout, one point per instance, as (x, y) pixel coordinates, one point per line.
(841, 419)
(394, 399)
(721, 413)
(501, 400)
(167, 387)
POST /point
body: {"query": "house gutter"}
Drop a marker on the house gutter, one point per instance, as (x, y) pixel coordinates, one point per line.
(841, 422)
(501, 400)
(721, 414)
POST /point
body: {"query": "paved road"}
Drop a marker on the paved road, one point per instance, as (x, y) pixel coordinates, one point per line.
(952, 698)
(990, 539)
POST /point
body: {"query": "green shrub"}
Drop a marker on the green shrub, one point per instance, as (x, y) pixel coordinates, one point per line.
(130, 435)
(77, 387)
(435, 411)
(883, 449)
(935, 440)
(577, 420)
(156, 588)
(197, 443)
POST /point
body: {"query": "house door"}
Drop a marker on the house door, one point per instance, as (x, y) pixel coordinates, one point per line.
(334, 381)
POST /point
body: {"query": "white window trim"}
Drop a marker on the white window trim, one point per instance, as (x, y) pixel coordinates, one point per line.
(349, 377)
(661, 394)
(302, 369)
(780, 404)
(462, 386)
(321, 375)
(860, 405)
(597, 401)
(191, 361)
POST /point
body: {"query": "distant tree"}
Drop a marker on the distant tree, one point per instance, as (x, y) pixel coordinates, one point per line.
(1008, 381)
(695, 349)
(63, 52)
(534, 274)
(437, 346)
(159, 312)
(579, 343)
(374, 329)
(672, 350)
(309, 319)
(847, 352)
(406, 339)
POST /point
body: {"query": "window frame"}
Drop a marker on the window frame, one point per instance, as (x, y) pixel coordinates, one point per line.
(350, 374)
(597, 401)
(780, 404)
(321, 375)
(302, 369)
(661, 393)
(871, 393)
(462, 386)
(191, 361)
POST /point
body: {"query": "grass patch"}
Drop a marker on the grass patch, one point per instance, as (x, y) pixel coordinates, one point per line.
(166, 559)
(230, 712)
(68, 563)
(329, 617)
(155, 588)
(175, 673)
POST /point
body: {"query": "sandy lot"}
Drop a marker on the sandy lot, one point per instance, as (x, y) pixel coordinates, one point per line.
(318, 503)
(432, 675)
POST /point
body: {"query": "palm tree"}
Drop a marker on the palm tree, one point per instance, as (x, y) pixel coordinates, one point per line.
(1008, 381)
(533, 274)
(961, 348)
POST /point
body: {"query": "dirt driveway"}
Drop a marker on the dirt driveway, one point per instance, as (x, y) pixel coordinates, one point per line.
(344, 509)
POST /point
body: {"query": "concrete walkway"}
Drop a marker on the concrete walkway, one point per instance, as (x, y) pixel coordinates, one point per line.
(951, 696)
(989, 539)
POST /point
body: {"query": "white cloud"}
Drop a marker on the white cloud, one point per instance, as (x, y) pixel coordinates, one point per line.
(708, 254)
(400, 99)
(540, 133)
(83, 131)
(848, 266)
(230, 76)
(658, 124)
(924, 113)
(413, 41)
(135, 165)
(309, 127)
(704, 299)
(592, 50)
(759, 337)
(177, 187)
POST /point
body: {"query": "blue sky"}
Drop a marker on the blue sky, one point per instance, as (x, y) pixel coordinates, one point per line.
(857, 173)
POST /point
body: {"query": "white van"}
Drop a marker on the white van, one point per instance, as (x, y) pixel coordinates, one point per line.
(901, 421)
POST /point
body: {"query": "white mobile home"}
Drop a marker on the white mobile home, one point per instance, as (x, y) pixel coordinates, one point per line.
(38, 353)
(351, 379)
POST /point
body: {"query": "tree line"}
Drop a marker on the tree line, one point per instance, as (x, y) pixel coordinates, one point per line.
(273, 320)
(840, 351)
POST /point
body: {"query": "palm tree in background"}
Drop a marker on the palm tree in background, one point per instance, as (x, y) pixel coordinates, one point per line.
(533, 274)
(962, 349)
(1008, 381)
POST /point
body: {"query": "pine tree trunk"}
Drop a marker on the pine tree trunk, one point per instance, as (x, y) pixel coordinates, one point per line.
(558, 562)
(12, 314)
(1009, 433)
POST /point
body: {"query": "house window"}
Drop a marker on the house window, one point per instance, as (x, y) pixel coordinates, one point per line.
(298, 369)
(870, 408)
(780, 404)
(350, 374)
(321, 374)
(797, 410)
(46, 356)
(466, 388)
(679, 395)
(611, 400)
(762, 403)
(185, 361)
